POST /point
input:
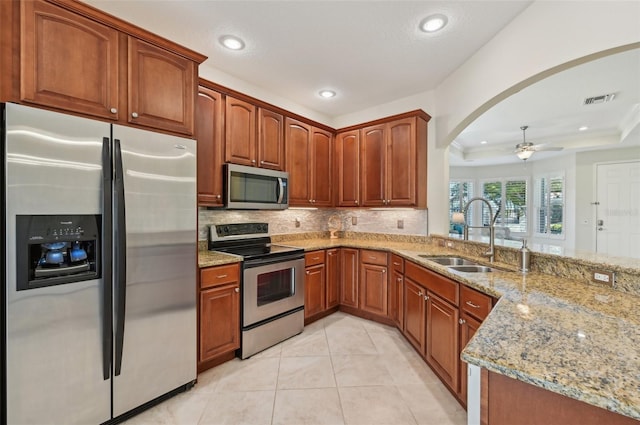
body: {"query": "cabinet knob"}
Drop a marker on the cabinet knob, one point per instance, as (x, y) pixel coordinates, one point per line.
(357, 202)
(134, 114)
(399, 279)
(420, 293)
(261, 162)
(218, 196)
(384, 270)
(237, 289)
(462, 321)
(307, 271)
(426, 297)
(253, 161)
(113, 110)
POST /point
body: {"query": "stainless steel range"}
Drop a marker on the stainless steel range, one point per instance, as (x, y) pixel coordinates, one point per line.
(272, 284)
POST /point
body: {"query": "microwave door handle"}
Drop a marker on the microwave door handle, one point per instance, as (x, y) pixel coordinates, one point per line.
(280, 191)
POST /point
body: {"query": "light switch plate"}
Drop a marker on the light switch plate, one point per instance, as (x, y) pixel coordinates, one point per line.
(354, 220)
(400, 224)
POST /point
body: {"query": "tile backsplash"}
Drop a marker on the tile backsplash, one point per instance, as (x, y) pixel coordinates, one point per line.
(414, 222)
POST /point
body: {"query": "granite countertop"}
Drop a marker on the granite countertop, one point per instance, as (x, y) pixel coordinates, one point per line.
(568, 336)
(212, 258)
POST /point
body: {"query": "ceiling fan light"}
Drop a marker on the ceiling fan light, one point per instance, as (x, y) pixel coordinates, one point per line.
(524, 155)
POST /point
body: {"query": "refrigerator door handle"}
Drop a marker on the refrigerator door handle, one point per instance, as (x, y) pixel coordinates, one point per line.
(120, 253)
(107, 255)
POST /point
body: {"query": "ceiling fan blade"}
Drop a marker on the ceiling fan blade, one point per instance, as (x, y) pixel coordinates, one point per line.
(539, 148)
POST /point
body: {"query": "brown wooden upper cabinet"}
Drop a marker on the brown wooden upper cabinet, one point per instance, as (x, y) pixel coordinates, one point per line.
(393, 163)
(309, 153)
(254, 136)
(85, 62)
(240, 132)
(270, 140)
(209, 133)
(347, 160)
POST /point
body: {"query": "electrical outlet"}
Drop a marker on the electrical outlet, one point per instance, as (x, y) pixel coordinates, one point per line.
(354, 220)
(400, 224)
(450, 244)
(297, 222)
(604, 277)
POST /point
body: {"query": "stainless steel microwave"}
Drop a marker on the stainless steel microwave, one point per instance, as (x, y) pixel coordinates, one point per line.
(251, 188)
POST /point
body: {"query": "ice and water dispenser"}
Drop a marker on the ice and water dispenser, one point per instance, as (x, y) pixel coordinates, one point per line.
(57, 249)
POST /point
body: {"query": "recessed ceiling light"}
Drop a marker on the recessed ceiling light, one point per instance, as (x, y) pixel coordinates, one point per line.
(327, 94)
(232, 42)
(433, 23)
(583, 128)
(484, 142)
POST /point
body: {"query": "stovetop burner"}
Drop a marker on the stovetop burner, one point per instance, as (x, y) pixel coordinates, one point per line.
(249, 240)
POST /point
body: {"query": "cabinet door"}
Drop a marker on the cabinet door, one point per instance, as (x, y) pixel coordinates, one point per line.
(162, 88)
(442, 339)
(298, 153)
(270, 140)
(68, 62)
(468, 328)
(314, 290)
(373, 289)
(401, 163)
(372, 166)
(219, 321)
(333, 278)
(210, 147)
(396, 297)
(349, 281)
(240, 132)
(414, 314)
(321, 173)
(347, 165)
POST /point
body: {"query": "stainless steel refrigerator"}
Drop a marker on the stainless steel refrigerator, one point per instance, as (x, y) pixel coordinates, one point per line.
(98, 265)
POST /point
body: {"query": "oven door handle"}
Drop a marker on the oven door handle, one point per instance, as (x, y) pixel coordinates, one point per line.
(257, 262)
(280, 192)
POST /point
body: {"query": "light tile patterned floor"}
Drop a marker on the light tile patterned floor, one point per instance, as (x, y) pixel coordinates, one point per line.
(340, 370)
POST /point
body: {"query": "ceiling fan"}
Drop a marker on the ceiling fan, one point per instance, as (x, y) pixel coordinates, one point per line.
(525, 149)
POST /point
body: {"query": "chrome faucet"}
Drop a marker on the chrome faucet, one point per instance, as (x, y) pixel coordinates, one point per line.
(492, 230)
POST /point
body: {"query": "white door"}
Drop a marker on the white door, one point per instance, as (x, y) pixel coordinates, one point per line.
(618, 209)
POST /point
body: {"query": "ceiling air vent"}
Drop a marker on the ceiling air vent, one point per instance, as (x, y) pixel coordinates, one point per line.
(599, 99)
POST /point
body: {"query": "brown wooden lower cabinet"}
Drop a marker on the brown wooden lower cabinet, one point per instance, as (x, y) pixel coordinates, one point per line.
(414, 314)
(314, 283)
(442, 351)
(396, 291)
(333, 278)
(373, 289)
(349, 281)
(219, 313)
(509, 401)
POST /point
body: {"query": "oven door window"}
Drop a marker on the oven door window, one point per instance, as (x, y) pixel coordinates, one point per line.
(275, 286)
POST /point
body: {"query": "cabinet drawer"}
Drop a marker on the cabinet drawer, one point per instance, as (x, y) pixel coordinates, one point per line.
(439, 285)
(373, 257)
(314, 257)
(214, 276)
(397, 263)
(474, 302)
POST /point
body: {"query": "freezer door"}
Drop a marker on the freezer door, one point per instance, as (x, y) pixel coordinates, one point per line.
(155, 345)
(54, 334)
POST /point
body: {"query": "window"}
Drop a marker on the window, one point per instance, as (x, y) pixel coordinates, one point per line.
(459, 194)
(549, 205)
(508, 199)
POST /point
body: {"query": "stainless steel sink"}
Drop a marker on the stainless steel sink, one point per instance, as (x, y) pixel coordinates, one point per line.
(449, 261)
(472, 269)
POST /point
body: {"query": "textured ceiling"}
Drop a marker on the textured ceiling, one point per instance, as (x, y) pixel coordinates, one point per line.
(369, 52)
